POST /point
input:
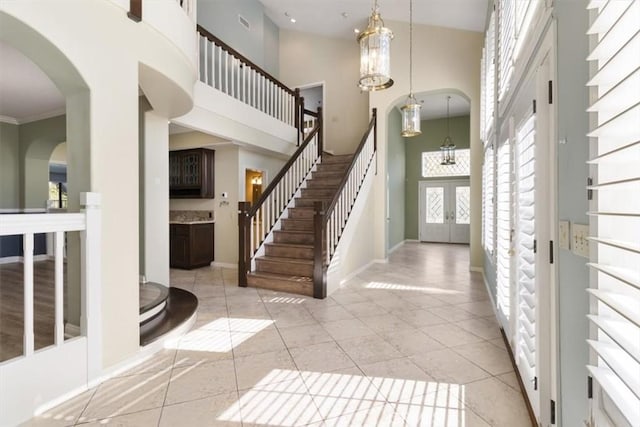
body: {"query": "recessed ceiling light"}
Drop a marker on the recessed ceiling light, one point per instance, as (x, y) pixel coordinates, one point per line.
(355, 30)
(345, 14)
(293, 20)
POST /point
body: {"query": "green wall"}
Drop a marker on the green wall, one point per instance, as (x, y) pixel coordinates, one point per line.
(433, 133)
(396, 178)
(9, 165)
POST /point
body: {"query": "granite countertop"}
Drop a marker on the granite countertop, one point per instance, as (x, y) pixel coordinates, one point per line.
(192, 217)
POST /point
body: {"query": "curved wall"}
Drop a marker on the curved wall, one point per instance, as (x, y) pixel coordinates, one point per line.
(93, 52)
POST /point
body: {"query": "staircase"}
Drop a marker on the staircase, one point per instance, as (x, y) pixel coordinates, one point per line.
(287, 264)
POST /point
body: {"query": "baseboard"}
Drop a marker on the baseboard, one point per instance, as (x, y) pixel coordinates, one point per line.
(411, 241)
(354, 273)
(71, 330)
(393, 249)
(493, 301)
(476, 269)
(224, 265)
(20, 259)
(527, 402)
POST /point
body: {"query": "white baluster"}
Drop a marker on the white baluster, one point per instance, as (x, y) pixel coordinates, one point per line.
(206, 61)
(28, 294)
(59, 288)
(219, 63)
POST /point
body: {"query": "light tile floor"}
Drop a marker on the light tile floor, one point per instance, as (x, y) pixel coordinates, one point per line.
(410, 343)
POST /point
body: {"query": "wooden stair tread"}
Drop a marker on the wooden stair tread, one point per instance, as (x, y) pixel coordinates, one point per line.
(287, 277)
(290, 245)
(285, 260)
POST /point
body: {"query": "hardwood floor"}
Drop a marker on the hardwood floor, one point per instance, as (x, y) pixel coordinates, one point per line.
(12, 307)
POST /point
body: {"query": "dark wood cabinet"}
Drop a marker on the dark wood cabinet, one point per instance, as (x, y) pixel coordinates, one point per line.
(191, 245)
(191, 174)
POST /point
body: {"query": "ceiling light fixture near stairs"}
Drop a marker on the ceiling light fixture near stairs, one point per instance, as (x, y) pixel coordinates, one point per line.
(375, 54)
(411, 108)
(448, 148)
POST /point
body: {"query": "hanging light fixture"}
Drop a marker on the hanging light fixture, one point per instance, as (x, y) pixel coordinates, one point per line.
(448, 148)
(375, 54)
(411, 108)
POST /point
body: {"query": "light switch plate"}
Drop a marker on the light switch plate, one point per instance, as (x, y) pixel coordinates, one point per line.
(579, 239)
(563, 235)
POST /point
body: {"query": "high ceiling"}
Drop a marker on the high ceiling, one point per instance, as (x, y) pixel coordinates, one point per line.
(27, 94)
(339, 18)
(434, 105)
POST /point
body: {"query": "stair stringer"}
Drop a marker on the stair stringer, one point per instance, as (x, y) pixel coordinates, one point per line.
(285, 214)
(356, 246)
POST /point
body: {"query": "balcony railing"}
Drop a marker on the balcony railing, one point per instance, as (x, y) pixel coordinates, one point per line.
(225, 69)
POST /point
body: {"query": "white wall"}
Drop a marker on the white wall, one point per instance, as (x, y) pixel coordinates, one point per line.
(444, 59)
(309, 58)
(99, 77)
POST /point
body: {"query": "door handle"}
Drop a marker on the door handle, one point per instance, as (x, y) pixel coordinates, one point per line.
(446, 216)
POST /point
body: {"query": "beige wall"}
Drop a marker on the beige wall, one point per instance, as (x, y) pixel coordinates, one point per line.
(230, 164)
(9, 166)
(309, 58)
(443, 60)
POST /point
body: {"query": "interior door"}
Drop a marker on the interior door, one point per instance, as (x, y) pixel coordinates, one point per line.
(444, 211)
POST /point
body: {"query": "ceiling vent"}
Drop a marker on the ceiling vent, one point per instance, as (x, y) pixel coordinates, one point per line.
(243, 21)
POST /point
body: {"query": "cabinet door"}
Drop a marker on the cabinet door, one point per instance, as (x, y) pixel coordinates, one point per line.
(179, 246)
(191, 168)
(174, 168)
(201, 245)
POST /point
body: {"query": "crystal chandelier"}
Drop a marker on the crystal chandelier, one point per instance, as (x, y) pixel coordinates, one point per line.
(448, 148)
(375, 54)
(411, 109)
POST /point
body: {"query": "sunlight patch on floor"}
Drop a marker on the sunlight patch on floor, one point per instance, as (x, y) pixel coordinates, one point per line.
(215, 336)
(397, 287)
(286, 300)
(287, 398)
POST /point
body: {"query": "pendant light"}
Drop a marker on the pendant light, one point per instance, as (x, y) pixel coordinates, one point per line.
(411, 109)
(375, 54)
(448, 148)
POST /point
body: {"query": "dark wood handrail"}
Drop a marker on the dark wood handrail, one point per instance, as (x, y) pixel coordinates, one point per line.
(274, 182)
(244, 59)
(310, 113)
(345, 178)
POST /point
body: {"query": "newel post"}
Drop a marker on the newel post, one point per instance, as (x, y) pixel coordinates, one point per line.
(91, 282)
(244, 242)
(375, 136)
(319, 273)
(320, 134)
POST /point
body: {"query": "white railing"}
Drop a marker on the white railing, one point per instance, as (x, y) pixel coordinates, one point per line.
(226, 70)
(57, 225)
(337, 213)
(256, 222)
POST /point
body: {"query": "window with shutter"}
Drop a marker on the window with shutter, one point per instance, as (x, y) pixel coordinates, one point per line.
(488, 199)
(526, 268)
(506, 43)
(504, 229)
(615, 215)
(489, 82)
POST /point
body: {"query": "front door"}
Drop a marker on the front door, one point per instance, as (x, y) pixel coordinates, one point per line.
(444, 211)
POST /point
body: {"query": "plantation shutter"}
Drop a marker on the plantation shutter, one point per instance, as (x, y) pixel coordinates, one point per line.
(488, 199)
(489, 82)
(506, 43)
(526, 329)
(504, 229)
(615, 284)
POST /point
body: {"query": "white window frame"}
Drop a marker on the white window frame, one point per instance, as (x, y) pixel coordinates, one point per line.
(614, 361)
(488, 202)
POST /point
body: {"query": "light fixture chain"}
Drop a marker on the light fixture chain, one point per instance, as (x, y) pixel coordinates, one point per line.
(410, 47)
